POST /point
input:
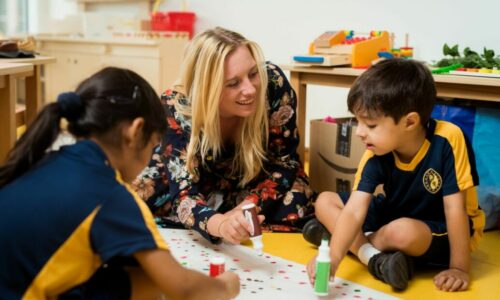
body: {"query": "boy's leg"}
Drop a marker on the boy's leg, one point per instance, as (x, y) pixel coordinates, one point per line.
(392, 268)
(328, 207)
(399, 238)
(315, 230)
(410, 236)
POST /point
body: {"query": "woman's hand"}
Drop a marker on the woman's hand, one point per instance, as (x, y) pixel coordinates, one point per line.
(452, 280)
(233, 226)
(232, 283)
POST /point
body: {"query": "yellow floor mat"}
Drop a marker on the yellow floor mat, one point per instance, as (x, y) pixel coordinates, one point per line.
(485, 272)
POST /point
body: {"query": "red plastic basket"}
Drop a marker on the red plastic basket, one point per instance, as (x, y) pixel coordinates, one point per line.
(174, 21)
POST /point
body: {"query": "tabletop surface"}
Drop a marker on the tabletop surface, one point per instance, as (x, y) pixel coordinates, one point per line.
(441, 78)
(14, 68)
(37, 60)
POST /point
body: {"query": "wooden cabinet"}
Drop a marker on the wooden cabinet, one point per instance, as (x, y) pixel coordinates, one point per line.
(158, 61)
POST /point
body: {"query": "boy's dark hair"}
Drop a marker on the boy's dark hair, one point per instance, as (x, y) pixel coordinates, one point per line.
(394, 88)
(98, 106)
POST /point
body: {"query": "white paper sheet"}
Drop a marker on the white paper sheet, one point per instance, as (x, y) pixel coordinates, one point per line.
(266, 276)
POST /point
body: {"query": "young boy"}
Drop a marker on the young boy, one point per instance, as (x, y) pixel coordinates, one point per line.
(430, 210)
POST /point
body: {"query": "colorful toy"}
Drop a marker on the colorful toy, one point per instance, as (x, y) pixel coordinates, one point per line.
(335, 48)
(458, 69)
(447, 69)
(402, 52)
(482, 72)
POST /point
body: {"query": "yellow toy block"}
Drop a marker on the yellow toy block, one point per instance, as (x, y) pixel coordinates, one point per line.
(337, 48)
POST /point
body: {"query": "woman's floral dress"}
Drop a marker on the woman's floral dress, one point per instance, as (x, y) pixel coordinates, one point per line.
(281, 191)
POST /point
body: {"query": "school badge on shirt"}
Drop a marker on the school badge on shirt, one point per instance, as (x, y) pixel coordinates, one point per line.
(432, 181)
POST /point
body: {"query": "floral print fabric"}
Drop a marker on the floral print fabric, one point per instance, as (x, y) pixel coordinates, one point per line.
(282, 191)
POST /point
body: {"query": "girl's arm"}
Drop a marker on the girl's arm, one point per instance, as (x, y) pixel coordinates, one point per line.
(456, 278)
(177, 282)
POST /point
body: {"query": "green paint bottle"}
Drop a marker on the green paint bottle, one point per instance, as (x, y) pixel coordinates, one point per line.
(322, 278)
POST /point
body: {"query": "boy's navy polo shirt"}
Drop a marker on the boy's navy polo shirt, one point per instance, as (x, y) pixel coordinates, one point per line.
(444, 165)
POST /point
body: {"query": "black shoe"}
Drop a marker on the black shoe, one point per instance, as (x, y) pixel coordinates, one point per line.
(314, 232)
(395, 268)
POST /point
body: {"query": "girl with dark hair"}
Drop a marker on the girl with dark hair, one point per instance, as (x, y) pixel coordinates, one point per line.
(70, 226)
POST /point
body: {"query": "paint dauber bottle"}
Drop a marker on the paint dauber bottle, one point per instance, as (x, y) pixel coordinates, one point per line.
(322, 278)
(250, 213)
(217, 266)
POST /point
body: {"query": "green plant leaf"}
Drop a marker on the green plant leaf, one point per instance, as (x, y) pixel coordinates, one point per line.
(454, 51)
(446, 49)
(443, 63)
(488, 54)
(469, 52)
(497, 62)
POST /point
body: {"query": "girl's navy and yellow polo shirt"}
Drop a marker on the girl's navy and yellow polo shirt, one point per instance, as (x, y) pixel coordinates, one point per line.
(444, 165)
(63, 219)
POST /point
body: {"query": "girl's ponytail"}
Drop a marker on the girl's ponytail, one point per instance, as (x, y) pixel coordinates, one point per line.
(39, 136)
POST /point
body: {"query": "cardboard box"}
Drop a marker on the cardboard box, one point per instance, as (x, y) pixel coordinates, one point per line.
(335, 152)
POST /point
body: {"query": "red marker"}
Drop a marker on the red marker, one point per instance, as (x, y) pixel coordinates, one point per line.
(217, 266)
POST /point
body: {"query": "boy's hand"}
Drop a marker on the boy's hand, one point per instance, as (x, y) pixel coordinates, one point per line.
(311, 270)
(232, 283)
(452, 280)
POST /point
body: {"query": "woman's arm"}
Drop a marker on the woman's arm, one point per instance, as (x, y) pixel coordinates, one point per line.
(166, 185)
(177, 282)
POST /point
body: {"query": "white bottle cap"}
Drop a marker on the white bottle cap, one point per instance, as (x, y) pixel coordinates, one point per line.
(248, 206)
(217, 260)
(257, 243)
(323, 251)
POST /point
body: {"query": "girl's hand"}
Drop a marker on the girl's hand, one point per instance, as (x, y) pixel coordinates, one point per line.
(452, 280)
(232, 283)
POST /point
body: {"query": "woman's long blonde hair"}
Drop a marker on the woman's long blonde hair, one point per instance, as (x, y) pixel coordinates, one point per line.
(201, 81)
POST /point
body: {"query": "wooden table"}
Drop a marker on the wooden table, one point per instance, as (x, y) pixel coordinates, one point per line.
(33, 84)
(8, 97)
(449, 86)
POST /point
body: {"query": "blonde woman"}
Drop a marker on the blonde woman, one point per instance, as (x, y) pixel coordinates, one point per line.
(231, 139)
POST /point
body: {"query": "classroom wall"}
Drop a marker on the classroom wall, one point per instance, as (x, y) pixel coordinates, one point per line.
(284, 28)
